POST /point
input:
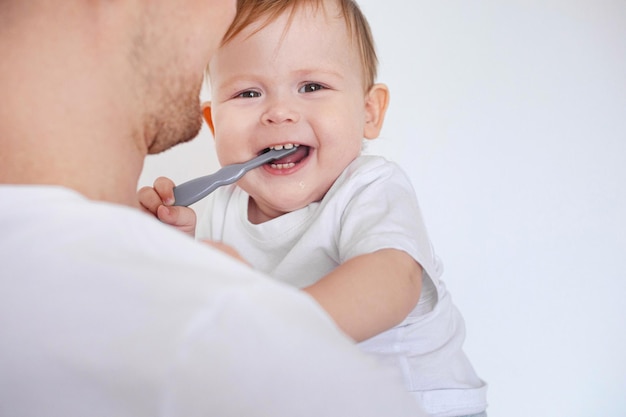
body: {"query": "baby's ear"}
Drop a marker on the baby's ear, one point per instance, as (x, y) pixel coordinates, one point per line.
(206, 112)
(376, 102)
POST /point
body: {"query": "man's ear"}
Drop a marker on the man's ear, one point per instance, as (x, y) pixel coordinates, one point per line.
(376, 103)
(206, 112)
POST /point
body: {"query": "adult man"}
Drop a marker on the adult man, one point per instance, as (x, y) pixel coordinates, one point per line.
(104, 311)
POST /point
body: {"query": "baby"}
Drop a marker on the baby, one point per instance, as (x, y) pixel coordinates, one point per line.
(344, 227)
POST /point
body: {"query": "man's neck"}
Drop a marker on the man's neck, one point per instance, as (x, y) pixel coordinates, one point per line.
(111, 176)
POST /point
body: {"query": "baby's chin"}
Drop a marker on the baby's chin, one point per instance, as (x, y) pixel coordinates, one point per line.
(280, 203)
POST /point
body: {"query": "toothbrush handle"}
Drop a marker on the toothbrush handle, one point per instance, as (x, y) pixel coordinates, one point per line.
(194, 190)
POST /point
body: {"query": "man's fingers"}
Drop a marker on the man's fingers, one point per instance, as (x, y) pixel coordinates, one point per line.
(229, 250)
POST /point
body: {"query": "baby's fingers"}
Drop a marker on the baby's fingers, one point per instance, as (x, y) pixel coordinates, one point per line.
(149, 200)
(183, 218)
(165, 188)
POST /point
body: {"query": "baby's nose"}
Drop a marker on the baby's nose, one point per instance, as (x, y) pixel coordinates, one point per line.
(280, 112)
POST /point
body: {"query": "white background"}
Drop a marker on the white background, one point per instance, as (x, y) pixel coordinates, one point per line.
(510, 118)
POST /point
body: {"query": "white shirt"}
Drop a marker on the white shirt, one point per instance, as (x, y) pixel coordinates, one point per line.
(371, 206)
(106, 312)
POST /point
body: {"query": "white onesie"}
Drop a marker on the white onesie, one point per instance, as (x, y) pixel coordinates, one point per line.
(371, 206)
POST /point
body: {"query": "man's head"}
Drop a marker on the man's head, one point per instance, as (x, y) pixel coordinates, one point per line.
(172, 47)
(91, 86)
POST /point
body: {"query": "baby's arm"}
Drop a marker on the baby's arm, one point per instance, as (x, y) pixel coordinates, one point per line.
(370, 293)
(158, 200)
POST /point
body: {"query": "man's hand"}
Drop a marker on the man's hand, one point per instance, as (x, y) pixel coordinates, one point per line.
(228, 250)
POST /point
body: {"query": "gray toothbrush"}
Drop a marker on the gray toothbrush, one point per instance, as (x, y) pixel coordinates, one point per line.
(194, 190)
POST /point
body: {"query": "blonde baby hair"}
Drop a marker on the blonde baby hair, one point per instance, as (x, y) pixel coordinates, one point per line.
(251, 11)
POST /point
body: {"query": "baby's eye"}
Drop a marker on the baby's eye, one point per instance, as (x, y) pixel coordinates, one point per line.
(248, 94)
(311, 87)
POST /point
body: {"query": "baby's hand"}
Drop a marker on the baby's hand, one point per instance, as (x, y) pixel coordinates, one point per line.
(158, 200)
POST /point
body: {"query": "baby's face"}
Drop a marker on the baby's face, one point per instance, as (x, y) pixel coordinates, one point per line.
(302, 85)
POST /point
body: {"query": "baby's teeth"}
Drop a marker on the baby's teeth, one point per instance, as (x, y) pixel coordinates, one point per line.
(285, 146)
(283, 166)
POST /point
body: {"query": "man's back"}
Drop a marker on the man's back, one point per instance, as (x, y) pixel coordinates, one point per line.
(99, 317)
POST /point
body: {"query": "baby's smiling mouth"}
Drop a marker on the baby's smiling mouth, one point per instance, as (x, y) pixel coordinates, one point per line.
(290, 160)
